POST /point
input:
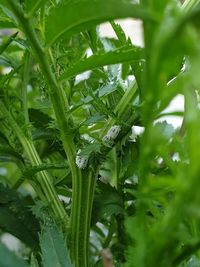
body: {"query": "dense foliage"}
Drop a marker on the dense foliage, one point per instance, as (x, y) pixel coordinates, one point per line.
(75, 178)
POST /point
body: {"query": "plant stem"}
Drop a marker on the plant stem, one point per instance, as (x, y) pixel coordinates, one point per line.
(55, 92)
(82, 194)
(25, 79)
(42, 178)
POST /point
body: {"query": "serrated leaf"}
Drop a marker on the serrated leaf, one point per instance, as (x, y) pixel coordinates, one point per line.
(16, 218)
(9, 259)
(120, 55)
(54, 249)
(107, 201)
(81, 15)
(107, 89)
(96, 118)
(119, 32)
(91, 148)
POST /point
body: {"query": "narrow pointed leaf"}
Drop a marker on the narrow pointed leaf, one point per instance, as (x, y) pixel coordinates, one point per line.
(54, 249)
(114, 57)
(76, 16)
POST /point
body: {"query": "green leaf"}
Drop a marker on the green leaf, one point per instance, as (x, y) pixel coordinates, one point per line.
(119, 32)
(114, 57)
(4, 3)
(8, 259)
(76, 16)
(6, 24)
(7, 153)
(16, 218)
(107, 202)
(33, 5)
(96, 118)
(31, 171)
(6, 21)
(6, 43)
(38, 118)
(44, 133)
(91, 148)
(53, 246)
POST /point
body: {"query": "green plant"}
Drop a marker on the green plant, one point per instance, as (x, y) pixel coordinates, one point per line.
(73, 165)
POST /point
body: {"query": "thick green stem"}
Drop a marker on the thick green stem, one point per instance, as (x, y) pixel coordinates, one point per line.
(42, 178)
(25, 78)
(87, 196)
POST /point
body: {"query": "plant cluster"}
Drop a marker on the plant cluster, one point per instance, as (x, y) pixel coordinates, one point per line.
(75, 178)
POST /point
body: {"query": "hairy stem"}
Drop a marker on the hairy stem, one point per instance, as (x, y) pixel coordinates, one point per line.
(42, 177)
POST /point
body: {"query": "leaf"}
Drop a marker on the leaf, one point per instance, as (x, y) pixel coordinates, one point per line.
(31, 171)
(193, 16)
(107, 89)
(107, 201)
(4, 3)
(53, 246)
(38, 118)
(8, 259)
(94, 119)
(7, 24)
(45, 133)
(117, 56)
(119, 32)
(5, 44)
(76, 16)
(33, 5)
(7, 153)
(16, 218)
(91, 148)
(5, 10)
